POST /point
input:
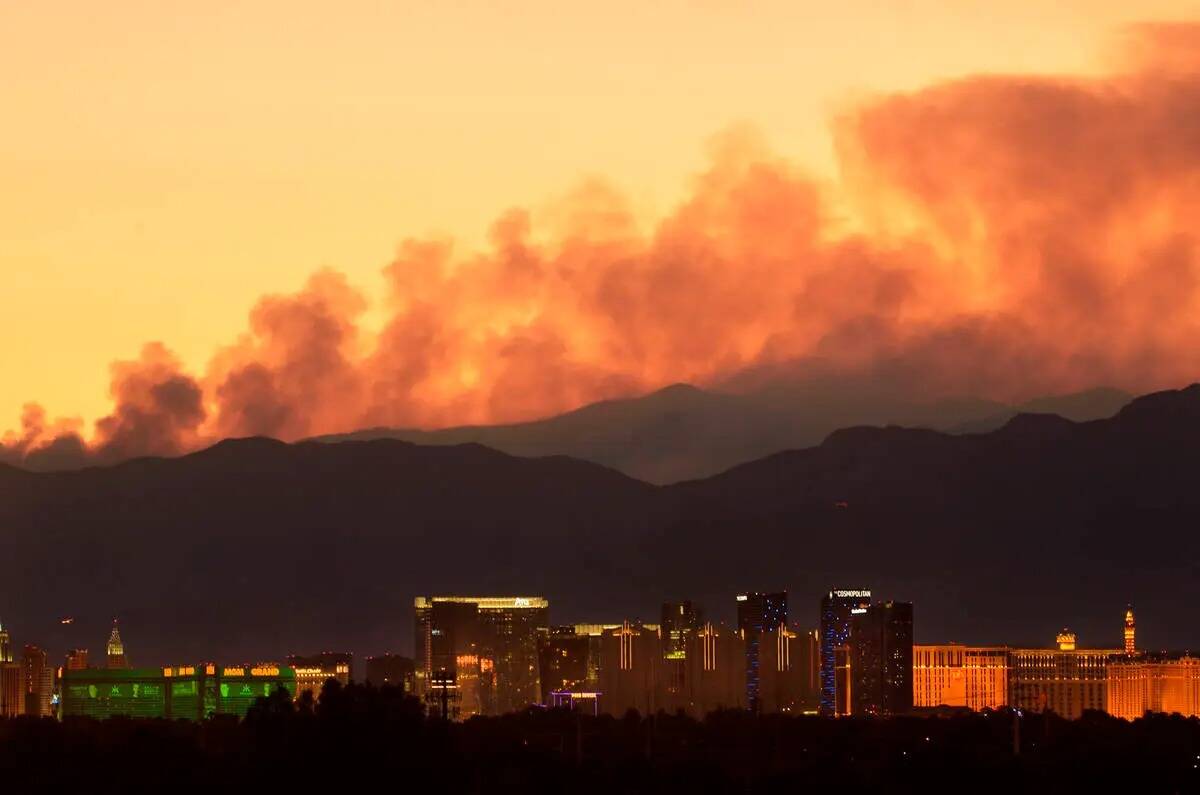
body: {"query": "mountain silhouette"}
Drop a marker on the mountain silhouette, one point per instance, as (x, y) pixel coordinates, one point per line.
(683, 432)
(1080, 406)
(253, 549)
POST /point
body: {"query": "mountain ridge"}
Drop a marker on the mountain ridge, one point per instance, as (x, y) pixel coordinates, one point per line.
(255, 548)
(682, 432)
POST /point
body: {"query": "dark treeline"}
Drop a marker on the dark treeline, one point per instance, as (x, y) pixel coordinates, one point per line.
(360, 736)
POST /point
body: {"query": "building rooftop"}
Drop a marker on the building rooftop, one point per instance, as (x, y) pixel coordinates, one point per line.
(486, 602)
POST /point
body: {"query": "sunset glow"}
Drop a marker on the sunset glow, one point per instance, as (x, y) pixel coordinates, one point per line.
(270, 226)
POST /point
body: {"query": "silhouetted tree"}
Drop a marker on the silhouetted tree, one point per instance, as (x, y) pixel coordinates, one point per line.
(358, 734)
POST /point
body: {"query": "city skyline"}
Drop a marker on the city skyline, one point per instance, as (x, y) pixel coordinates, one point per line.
(861, 598)
(728, 618)
(493, 655)
(693, 396)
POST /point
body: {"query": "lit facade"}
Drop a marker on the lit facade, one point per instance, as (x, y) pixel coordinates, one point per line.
(716, 672)
(758, 613)
(837, 609)
(115, 649)
(312, 672)
(954, 675)
(38, 682)
(1153, 684)
(630, 669)
(12, 694)
(488, 646)
(1066, 680)
(566, 665)
(570, 660)
(680, 620)
(192, 692)
(843, 682)
(1130, 632)
(586, 702)
(788, 673)
(76, 660)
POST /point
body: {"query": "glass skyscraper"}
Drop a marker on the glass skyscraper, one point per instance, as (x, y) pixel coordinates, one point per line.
(487, 646)
(758, 613)
(881, 660)
(679, 621)
(837, 610)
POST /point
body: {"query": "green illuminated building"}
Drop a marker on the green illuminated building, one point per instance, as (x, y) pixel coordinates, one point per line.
(193, 692)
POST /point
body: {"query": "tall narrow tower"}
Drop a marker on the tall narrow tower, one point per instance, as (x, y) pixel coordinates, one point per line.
(116, 649)
(1130, 629)
(12, 702)
(757, 614)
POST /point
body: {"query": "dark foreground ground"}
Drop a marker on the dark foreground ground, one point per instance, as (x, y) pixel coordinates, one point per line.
(360, 739)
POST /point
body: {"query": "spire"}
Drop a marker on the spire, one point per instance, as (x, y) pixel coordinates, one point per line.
(5, 645)
(116, 649)
(1130, 631)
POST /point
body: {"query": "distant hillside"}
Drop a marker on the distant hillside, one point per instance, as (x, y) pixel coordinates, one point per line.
(1094, 404)
(254, 548)
(682, 433)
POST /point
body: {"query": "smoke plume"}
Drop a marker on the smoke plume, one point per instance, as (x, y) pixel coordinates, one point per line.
(1001, 237)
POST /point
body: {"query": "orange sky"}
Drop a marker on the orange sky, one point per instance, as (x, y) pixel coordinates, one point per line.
(165, 165)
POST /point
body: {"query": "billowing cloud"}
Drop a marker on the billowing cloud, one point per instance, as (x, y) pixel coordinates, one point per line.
(159, 409)
(1000, 237)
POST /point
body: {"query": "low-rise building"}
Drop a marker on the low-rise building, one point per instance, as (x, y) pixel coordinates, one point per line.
(1153, 683)
(1065, 680)
(312, 672)
(954, 675)
(193, 692)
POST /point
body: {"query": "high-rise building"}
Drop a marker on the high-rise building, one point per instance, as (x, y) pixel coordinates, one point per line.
(488, 646)
(77, 660)
(447, 638)
(12, 699)
(442, 696)
(838, 607)
(807, 660)
(680, 620)
(392, 670)
(758, 613)
(12, 691)
(38, 681)
(569, 661)
(115, 650)
(1153, 683)
(565, 665)
(788, 665)
(843, 685)
(881, 660)
(707, 674)
(630, 669)
(716, 671)
(1065, 680)
(1130, 632)
(954, 675)
(313, 671)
